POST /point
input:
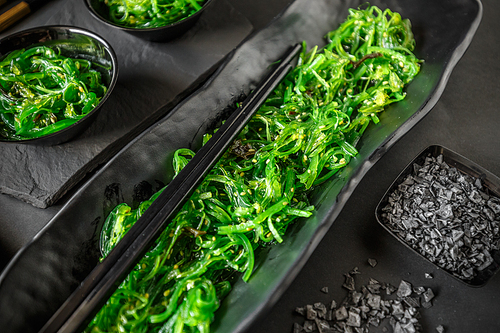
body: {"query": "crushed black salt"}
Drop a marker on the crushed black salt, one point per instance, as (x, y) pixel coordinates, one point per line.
(447, 216)
(372, 262)
(372, 305)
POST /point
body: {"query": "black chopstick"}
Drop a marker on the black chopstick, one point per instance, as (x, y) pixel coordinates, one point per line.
(93, 292)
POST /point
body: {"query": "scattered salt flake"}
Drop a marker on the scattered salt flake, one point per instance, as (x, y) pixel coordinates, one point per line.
(427, 305)
(309, 326)
(310, 312)
(404, 289)
(349, 282)
(354, 319)
(355, 271)
(320, 309)
(341, 313)
(297, 328)
(428, 295)
(300, 311)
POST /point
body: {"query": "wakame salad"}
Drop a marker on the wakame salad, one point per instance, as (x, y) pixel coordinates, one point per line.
(304, 134)
(43, 91)
(144, 14)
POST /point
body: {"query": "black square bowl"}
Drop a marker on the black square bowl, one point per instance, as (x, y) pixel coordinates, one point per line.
(490, 186)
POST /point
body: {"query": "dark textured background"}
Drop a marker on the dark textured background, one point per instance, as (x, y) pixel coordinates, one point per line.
(466, 119)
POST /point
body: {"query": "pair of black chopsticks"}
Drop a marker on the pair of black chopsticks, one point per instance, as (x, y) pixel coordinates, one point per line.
(107, 275)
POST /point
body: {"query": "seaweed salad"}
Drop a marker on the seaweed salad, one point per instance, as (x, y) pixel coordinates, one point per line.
(43, 91)
(143, 14)
(304, 134)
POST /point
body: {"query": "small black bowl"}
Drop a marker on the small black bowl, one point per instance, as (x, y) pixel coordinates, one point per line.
(160, 34)
(490, 186)
(72, 42)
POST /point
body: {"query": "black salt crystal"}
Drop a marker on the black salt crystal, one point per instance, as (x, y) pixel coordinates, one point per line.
(494, 204)
(412, 301)
(374, 288)
(372, 262)
(341, 313)
(354, 271)
(320, 309)
(354, 319)
(397, 308)
(428, 295)
(323, 325)
(309, 326)
(390, 289)
(324, 290)
(408, 328)
(356, 297)
(440, 329)
(427, 305)
(300, 311)
(374, 321)
(373, 301)
(392, 322)
(404, 289)
(364, 309)
(349, 282)
(329, 315)
(311, 314)
(297, 328)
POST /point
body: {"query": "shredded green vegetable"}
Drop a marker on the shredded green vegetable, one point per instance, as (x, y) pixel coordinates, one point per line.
(43, 92)
(150, 13)
(304, 134)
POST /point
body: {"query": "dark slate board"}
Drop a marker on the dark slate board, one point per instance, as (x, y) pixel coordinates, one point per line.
(43, 274)
(153, 77)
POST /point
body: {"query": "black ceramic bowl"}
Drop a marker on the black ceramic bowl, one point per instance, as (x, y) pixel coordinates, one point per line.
(75, 43)
(161, 34)
(490, 184)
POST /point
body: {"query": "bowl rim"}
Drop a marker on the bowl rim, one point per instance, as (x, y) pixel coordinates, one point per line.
(128, 29)
(112, 83)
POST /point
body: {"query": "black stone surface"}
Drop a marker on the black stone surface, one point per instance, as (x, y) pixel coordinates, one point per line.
(153, 77)
(465, 120)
